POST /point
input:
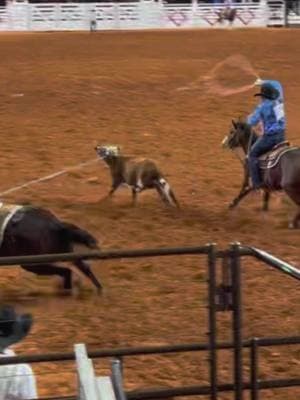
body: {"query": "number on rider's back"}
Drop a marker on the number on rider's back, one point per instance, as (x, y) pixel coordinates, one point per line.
(279, 111)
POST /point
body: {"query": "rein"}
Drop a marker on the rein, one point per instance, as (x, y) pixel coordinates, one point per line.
(244, 156)
(238, 155)
(250, 143)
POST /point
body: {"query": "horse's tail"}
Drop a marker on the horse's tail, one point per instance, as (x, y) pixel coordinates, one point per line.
(166, 192)
(79, 235)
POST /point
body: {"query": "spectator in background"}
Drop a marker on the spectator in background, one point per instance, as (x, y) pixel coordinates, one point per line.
(17, 381)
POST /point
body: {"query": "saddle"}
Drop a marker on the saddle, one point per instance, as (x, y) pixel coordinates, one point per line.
(271, 158)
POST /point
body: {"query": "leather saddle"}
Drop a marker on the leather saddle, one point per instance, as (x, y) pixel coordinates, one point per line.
(271, 158)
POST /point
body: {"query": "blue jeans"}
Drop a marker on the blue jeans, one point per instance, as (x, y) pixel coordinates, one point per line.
(261, 146)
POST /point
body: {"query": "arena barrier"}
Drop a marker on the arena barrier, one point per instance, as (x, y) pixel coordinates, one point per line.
(293, 13)
(224, 295)
(145, 14)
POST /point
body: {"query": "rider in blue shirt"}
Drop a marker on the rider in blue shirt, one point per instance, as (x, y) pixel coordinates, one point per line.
(271, 113)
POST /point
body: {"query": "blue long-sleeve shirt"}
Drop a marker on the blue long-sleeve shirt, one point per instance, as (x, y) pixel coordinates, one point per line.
(270, 112)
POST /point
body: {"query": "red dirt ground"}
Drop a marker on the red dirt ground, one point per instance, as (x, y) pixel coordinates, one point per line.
(64, 92)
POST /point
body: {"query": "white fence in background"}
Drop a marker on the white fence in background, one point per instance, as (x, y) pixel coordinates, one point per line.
(146, 14)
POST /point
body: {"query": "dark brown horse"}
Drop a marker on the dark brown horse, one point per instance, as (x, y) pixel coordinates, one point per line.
(227, 14)
(281, 173)
(35, 231)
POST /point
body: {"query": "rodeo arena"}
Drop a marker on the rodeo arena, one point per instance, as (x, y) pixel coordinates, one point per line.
(149, 200)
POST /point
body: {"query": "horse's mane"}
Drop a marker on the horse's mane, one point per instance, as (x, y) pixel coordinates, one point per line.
(244, 126)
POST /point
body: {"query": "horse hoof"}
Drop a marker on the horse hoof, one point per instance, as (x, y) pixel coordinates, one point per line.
(231, 206)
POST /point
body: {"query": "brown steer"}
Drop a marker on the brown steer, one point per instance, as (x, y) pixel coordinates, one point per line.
(137, 173)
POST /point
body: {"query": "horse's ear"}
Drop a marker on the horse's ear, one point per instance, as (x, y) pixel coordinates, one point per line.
(234, 123)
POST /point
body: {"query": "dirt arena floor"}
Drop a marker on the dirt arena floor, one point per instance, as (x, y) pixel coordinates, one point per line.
(61, 93)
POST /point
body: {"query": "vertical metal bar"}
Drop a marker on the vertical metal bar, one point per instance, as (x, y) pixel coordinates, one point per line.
(237, 321)
(117, 380)
(226, 284)
(212, 322)
(254, 369)
(120, 359)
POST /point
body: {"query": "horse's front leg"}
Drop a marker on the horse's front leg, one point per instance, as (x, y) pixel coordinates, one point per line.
(47, 269)
(243, 193)
(245, 189)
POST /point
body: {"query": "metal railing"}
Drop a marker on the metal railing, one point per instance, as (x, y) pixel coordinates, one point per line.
(223, 296)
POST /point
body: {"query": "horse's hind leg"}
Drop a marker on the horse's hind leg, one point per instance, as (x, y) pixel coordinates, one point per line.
(294, 195)
(51, 269)
(86, 270)
(245, 189)
(294, 223)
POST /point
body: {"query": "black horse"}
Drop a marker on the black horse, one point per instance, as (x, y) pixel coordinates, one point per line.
(279, 173)
(35, 231)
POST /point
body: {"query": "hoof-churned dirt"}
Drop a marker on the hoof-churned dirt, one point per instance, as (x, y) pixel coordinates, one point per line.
(64, 92)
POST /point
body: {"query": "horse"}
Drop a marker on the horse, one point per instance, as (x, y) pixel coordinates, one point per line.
(29, 230)
(138, 173)
(227, 14)
(280, 168)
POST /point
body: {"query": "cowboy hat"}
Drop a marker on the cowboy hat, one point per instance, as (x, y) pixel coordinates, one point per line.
(268, 91)
(13, 327)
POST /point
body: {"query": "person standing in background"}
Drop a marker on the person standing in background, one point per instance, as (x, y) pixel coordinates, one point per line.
(17, 381)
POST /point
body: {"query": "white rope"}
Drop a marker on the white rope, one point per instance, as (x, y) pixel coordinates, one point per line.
(48, 177)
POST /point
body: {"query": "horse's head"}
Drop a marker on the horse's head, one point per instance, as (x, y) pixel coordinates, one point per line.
(239, 135)
(108, 151)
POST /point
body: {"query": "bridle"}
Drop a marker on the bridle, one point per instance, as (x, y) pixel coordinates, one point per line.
(238, 155)
(245, 152)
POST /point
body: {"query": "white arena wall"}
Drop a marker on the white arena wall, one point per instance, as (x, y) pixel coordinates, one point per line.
(145, 14)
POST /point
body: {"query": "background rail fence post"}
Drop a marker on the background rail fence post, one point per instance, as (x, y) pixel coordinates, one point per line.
(224, 289)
